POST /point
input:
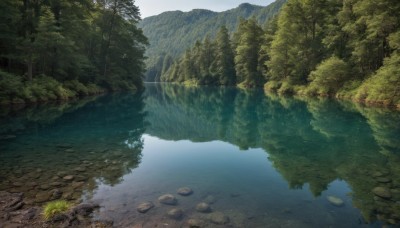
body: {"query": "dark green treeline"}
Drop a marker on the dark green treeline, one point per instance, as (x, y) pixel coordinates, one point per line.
(344, 48)
(59, 49)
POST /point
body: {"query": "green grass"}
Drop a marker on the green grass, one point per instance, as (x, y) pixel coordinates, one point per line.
(54, 208)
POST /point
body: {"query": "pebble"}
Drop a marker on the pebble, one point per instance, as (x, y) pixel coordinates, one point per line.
(167, 199)
(80, 169)
(185, 191)
(335, 201)
(68, 178)
(219, 218)
(145, 207)
(194, 223)
(382, 192)
(203, 207)
(175, 213)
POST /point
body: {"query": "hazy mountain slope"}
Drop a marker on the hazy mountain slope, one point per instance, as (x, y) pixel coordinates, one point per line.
(173, 32)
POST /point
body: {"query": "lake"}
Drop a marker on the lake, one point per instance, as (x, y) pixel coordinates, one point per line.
(257, 160)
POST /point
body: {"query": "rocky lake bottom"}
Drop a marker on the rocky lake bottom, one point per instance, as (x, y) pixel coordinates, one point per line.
(181, 157)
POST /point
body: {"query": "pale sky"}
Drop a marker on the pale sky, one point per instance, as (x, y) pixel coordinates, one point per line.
(154, 7)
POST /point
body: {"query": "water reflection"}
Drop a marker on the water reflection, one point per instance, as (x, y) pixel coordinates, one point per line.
(70, 149)
(313, 144)
(309, 141)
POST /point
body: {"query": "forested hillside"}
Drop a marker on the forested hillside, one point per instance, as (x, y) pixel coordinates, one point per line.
(170, 33)
(343, 48)
(56, 50)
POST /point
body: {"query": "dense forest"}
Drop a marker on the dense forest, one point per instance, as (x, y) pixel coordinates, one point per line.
(60, 49)
(170, 33)
(343, 48)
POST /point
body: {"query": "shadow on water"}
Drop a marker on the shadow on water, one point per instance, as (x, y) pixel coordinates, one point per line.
(72, 151)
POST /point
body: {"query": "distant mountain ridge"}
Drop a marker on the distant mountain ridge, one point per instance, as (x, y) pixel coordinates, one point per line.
(172, 32)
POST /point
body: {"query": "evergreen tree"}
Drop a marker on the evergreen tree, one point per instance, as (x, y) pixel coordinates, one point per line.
(224, 65)
(247, 54)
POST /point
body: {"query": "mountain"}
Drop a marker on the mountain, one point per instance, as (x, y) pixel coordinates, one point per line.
(171, 33)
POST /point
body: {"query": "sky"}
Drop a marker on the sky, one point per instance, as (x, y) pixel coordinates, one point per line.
(154, 7)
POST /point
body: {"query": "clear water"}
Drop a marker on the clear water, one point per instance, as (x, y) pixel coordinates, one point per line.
(263, 161)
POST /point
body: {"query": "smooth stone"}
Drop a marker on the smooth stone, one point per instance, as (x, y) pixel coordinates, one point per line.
(42, 197)
(185, 191)
(62, 174)
(175, 213)
(67, 195)
(56, 184)
(77, 184)
(219, 218)
(68, 178)
(194, 223)
(382, 192)
(80, 169)
(17, 184)
(32, 184)
(167, 199)
(145, 207)
(80, 178)
(203, 207)
(85, 209)
(56, 194)
(335, 201)
(383, 180)
(44, 187)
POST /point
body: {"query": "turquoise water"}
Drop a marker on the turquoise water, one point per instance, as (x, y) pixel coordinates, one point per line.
(261, 160)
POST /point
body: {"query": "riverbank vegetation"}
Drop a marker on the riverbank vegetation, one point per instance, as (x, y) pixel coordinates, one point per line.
(57, 50)
(345, 49)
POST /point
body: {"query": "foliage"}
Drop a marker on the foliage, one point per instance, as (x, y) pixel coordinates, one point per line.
(54, 208)
(45, 44)
(329, 77)
(384, 86)
(174, 32)
(347, 49)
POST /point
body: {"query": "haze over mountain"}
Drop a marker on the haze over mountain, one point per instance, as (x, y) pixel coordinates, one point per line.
(171, 33)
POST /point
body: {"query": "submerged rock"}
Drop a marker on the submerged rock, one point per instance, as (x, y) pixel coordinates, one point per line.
(68, 178)
(167, 199)
(383, 180)
(84, 209)
(335, 201)
(145, 207)
(382, 192)
(42, 197)
(185, 191)
(210, 199)
(10, 201)
(203, 207)
(175, 213)
(195, 223)
(219, 218)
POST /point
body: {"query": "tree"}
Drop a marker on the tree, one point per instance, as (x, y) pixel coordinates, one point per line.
(247, 54)
(224, 64)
